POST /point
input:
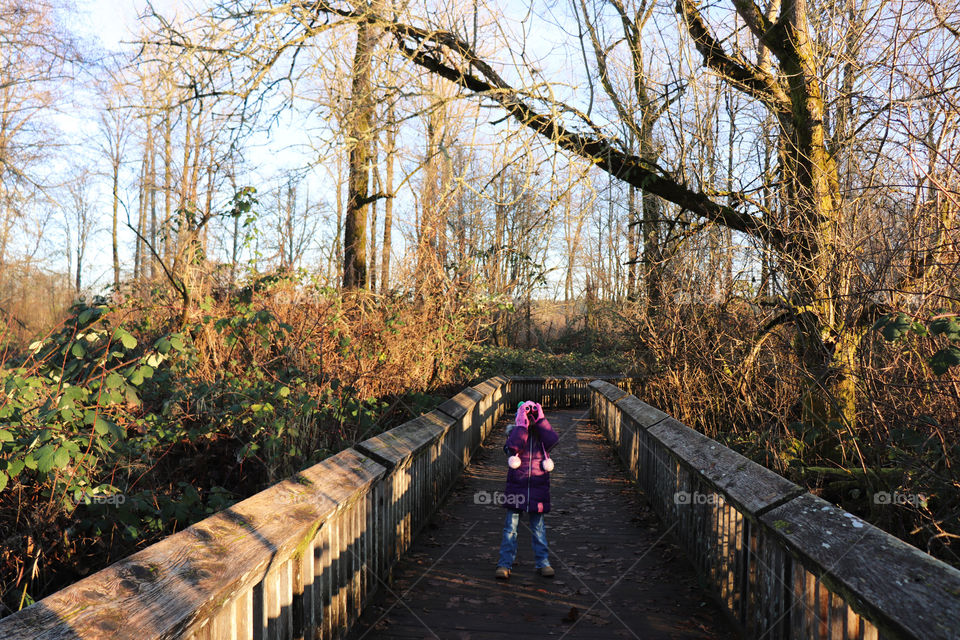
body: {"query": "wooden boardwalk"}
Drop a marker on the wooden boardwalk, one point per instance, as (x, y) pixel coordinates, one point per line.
(618, 574)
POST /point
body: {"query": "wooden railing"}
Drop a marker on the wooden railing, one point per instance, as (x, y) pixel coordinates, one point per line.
(300, 559)
(784, 563)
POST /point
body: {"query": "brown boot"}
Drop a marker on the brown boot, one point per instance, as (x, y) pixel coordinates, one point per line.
(546, 572)
(502, 573)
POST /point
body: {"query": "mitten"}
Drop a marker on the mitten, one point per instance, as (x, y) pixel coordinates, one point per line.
(521, 420)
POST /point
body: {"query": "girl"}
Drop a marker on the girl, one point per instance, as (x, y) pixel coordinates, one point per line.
(528, 485)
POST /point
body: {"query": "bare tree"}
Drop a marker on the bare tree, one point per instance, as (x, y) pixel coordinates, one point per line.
(79, 223)
(115, 125)
(37, 57)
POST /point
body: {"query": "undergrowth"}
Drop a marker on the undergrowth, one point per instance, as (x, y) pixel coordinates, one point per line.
(126, 423)
(897, 467)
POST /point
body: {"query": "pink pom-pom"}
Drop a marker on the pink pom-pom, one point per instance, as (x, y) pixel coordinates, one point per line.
(514, 462)
(548, 465)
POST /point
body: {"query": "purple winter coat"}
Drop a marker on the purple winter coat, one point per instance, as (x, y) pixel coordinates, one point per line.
(528, 486)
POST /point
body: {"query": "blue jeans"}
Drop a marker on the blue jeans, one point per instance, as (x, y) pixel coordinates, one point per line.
(508, 545)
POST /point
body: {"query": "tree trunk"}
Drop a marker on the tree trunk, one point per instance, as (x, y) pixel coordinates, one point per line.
(139, 254)
(361, 125)
(388, 205)
(167, 183)
(374, 160)
(207, 209)
(235, 245)
(154, 248)
(116, 206)
(652, 253)
(632, 252)
(336, 252)
(826, 344)
(427, 246)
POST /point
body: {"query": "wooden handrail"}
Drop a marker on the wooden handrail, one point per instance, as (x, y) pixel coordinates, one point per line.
(299, 559)
(782, 562)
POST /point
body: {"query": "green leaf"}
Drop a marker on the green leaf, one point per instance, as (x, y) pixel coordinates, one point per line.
(14, 467)
(162, 345)
(154, 360)
(75, 393)
(145, 371)
(948, 326)
(131, 396)
(87, 316)
(61, 458)
(3, 480)
(5, 436)
(101, 426)
(124, 337)
(114, 380)
(894, 327)
(45, 458)
(177, 343)
(77, 350)
(944, 359)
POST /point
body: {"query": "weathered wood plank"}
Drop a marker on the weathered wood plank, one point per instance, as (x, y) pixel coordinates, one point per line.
(485, 389)
(609, 391)
(461, 404)
(752, 487)
(642, 414)
(402, 442)
(905, 592)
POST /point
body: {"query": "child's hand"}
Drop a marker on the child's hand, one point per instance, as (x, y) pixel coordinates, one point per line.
(523, 411)
(536, 412)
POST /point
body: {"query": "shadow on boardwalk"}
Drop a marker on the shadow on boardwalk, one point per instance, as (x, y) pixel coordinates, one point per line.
(618, 574)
